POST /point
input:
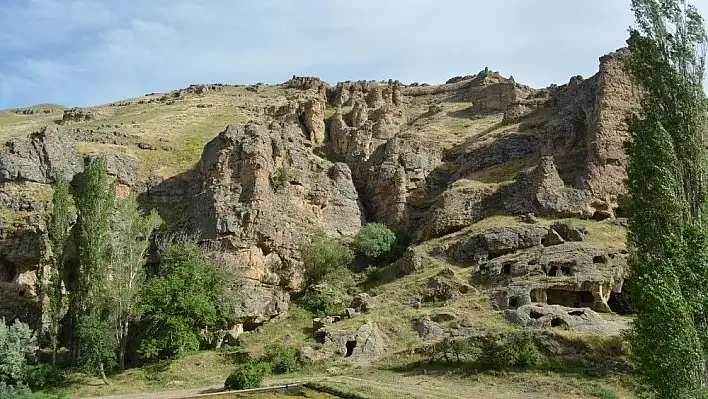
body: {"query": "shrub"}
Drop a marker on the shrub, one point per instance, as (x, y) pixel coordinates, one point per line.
(508, 351)
(324, 259)
(322, 304)
(187, 296)
(41, 376)
(282, 178)
(17, 346)
(15, 392)
(247, 375)
(283, 359)
(374, 240)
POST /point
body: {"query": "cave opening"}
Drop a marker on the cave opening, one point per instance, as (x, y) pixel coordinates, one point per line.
(571, 299)
(553, 271)
(506, 269)
(514, 302)
(621, 302)
(557, 322)
(350, 348)
(535, 315)
(8, 271)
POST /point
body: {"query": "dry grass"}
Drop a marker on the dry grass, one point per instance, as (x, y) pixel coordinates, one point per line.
(179, 129)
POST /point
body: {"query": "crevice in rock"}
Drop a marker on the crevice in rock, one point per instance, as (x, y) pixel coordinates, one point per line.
(576, 313)
(558, 322)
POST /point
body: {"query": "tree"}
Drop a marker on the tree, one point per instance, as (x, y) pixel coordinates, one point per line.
(186, 296)
(17, 346)
(666, 177)
(374, 240)
(324, 258)
(131, 231)
(95, 204)
(58, 231)
(97, 343)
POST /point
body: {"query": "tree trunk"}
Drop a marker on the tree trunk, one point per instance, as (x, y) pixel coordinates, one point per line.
(123, 346)
(54, 350)
(103, 374)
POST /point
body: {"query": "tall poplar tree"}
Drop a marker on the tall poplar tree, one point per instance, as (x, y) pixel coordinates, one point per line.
(666, 182)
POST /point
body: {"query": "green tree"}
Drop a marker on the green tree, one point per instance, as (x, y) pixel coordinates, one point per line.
(324, 259)
(97, 343)
(186, 296)
(374, 240)
(58, 231)
(95, 204)
(666, 176)
(131, 231)
(17, 346)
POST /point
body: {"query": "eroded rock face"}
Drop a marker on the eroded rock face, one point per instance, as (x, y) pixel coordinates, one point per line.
(260, 192)
(616, 96)
(39, 158)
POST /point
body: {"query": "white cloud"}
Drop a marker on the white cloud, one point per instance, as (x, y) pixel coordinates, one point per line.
(81, 52)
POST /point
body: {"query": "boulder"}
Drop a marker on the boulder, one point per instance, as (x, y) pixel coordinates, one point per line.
(569, 232)
(428, 329)
(366, 343)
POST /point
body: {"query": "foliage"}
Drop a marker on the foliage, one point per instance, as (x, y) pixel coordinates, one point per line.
(282, 359)
(508, 351)
(94, 202)
(42, 376)
(603, 393)
(185, 297)
(58, 232)
(374, 240)
(281, 179)
(322, 304)
(15, 391)
(247, 375)
(17, 346)
(666, 179)
(97, 343)
(494, 351)
(131, 230)
(324, 259)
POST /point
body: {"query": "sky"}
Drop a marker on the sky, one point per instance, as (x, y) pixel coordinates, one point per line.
(89, 52)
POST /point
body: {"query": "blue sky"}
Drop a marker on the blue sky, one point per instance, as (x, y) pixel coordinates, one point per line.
(86, 52)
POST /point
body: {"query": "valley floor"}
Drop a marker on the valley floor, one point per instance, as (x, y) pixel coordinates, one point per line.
(205, 372)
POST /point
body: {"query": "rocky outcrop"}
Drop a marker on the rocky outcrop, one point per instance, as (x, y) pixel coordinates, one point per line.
(539, 315)
(615, 96)
(260, 193)
(39, 158)
(78, 115)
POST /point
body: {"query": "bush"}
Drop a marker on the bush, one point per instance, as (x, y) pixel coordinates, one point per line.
(41, 376)
(186, 296)
(321, 304)
(283, 359)
(508, 351)
(247, 375)
(324, 259)
(374, 240)
(15, 392)
(17, 346)
(282, 178)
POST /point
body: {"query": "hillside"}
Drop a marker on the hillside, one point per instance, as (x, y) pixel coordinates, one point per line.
(510, 197)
